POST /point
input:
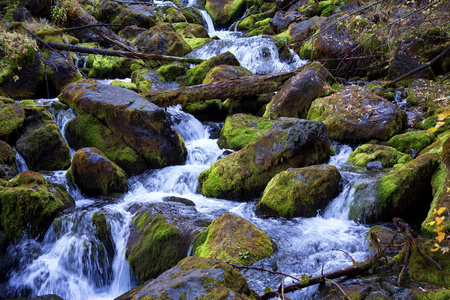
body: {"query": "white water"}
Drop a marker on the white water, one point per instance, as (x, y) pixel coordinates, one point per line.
(73, 263)
(259, 54)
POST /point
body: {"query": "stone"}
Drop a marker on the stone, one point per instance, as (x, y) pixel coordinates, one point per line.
(300, 192)
(95, 174)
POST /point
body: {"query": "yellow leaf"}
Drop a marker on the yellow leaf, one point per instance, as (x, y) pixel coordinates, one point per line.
(448, 189)
(439, 124)
(440, 237)
(434, 249)
(431, 223)
(432, 130)
(439, 220)
(439, 228)
(440, 211)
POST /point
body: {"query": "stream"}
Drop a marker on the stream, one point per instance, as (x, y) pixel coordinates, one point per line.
(72, 263)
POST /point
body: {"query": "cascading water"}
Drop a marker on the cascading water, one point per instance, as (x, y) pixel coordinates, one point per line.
(72, 263)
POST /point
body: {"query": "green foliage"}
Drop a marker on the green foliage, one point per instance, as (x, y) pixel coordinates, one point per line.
(58, 14)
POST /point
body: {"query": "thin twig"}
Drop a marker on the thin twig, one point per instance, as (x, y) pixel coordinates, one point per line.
(354, 261)
(282, 288)
(262, 269)
(343, 292)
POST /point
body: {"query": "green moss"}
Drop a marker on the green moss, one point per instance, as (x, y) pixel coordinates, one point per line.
(416, 140)
(197, 42)
(239, 130)
(125, 85)
(170, 72)
(443, 294)
(300, 192)
(368, 152)
(229, 235)
(157, 249)
(109, 66)
(11, 120)
(29, 204)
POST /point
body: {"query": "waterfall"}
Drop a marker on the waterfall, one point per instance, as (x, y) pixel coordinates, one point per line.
(21, 164)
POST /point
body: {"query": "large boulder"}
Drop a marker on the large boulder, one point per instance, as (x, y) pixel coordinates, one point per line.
(405, 192)
(143, 126)
(225, 12)
(367, 153)
(334, 45)
(233, 239)
(196, 278)
(87, 131)
(61, 71)
(160, 236)
(29, 204)
(296, 96)
(241, 129)
(95, 174)
(197, 74)
(7, 161)
(356, 115)
(408, 57)
(42, 145)
(300, 192)
(243, 175)
(12, 117)
(162, 39)
(430, 96)
(300, 31)
(225, 72)
(127, 15)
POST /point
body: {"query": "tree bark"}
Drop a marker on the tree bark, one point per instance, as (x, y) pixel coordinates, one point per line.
(234, 88)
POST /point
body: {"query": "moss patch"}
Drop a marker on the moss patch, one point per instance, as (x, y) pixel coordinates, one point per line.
(233, 239)
(368, 152)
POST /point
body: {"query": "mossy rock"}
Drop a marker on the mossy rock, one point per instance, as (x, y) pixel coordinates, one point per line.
(300, 192)
(158, 248)
(356, 115)
(420, 269)
(429, 95)
(241, 129)
(95, 174)
(209, 110)
(109, 66)
(440, 182)
(29, 204)
(162, 39)
(103, 232)
(12, 117)
(171, 72)
(125, 85)
(243, 175)
(224, 72)
(225, 12)
(7, 161)
(197, 278)
(296, 96)
(87, 131)
(42, 145)
(174, 15)
(369, 152)
(234, 240)
(197, 74)
(412, 203)
(412, 141)
(441, 294)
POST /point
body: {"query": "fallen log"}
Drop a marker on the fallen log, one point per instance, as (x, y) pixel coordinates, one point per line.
(107, 52)
(233, 88)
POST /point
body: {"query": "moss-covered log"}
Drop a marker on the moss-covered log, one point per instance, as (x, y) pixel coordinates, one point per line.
(235, 88)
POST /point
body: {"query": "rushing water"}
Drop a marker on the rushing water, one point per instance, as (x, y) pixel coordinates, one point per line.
(72, 263)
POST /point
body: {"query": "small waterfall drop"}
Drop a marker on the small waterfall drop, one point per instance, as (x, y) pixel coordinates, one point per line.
(21, 164)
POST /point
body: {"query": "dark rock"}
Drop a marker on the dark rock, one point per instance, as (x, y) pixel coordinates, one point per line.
(7, 161)
(300, 192)
(243, 175)
(21, 14)
(95, 174)
(407, 58)
(12, 117)
(160, 236)
(143, 126)
(38, 8)
(356, 115)
(282, 19)
(29, 204)
(179, 200)
(374, 165)
(62, 71)
(198, 278)
(296, 96)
